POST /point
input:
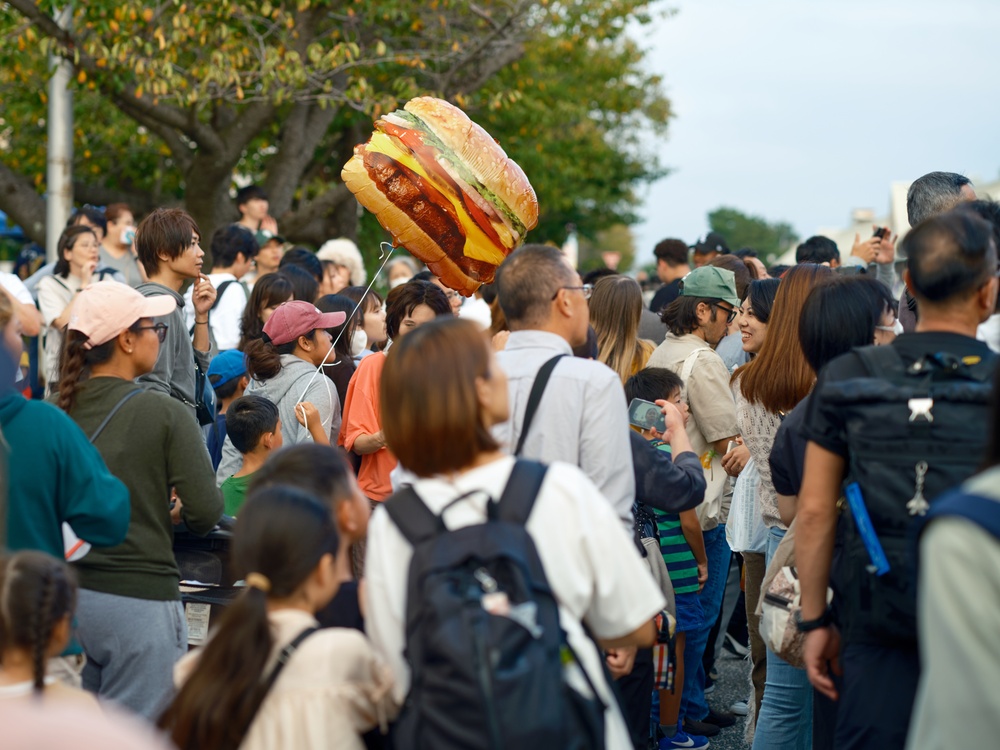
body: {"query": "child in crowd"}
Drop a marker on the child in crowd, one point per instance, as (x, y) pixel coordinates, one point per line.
(254, 428)
(683, 552)
(331, 686)
(37, 599)
(325, 473)
(228, 376)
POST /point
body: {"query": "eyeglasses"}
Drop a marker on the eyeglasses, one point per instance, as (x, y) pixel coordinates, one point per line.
(586, 290)
(160, 328)
(732, 312)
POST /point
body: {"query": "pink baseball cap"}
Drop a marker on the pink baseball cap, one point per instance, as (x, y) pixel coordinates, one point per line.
(299, 318)
(106, 308)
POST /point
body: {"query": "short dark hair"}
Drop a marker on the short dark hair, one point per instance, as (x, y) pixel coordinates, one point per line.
(592, 277)
(949, 256)
(681, 316)
(934, 193)
(745, 252)
(304, 285)
(653, 384)
(230, 241)
(320, 470)
(817, 249)
(165, 231)
(251, 192)
(248, 418)
(672, 252)
(405, 298)
(304, 259)
(527, 281)
(94, 215)
(66, 242)
(838, 316)
(761, 293)
(424, 275)
(227, 389)
(777, 270)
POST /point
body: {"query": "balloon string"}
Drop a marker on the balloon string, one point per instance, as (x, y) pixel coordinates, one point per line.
(386, 253)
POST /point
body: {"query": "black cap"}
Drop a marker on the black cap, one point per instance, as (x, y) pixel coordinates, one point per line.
(713, 243)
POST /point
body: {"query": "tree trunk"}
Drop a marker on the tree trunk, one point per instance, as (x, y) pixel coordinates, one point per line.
(21, 202)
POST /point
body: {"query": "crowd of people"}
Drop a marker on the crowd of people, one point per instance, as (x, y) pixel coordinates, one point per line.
(533, 517)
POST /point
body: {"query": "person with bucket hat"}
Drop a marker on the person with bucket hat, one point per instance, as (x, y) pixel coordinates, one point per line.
(282, 365)
(696, 321)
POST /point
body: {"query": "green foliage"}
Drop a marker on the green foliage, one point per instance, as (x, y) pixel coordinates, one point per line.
(614, 239)
(173, 99)
(769, 239)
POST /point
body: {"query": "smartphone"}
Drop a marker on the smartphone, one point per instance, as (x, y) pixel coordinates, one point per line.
(646, 415)
(880, 232)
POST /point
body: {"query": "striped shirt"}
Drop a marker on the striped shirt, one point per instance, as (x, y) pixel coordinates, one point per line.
(677, 555)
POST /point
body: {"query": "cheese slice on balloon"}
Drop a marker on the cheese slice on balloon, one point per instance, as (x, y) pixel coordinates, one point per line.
(477, 244)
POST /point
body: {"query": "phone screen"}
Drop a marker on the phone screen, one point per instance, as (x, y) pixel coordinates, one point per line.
(646, 415)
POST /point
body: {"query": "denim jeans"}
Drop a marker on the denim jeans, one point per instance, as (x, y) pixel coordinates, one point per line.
(693, 705)
(786, 713)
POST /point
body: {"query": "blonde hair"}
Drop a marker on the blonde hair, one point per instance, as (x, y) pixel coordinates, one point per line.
(615, 311)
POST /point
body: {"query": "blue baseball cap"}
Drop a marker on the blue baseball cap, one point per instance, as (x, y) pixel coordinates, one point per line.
(228, 365)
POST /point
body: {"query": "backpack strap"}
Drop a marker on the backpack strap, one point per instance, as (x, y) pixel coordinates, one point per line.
(535, 398)
(111, 414)
(519, 495)
(220, 291)
(980, 510)
(414, 520)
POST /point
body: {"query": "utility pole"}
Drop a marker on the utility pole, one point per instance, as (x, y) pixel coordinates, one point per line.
(59, 198)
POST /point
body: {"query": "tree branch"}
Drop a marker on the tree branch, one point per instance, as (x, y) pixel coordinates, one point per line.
(314, 209)
(301, 133)
(101, 195)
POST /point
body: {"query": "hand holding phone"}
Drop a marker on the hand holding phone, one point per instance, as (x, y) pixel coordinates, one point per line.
(646, 416)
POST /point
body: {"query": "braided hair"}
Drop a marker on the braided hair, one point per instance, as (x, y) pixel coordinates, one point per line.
(36, 592)
(76, 359)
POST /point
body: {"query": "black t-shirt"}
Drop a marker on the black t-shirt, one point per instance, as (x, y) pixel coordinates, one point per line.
(343, 611)
(788, 452)
(665, 295)
(824, 423)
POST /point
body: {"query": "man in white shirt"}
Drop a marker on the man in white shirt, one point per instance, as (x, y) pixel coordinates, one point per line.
(582, 418)
(233, 250)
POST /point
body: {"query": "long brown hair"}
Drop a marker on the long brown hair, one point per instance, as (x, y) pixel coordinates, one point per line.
(436, 424)
(36, 592)
(282, 534)
(779, 376)
(615, 311)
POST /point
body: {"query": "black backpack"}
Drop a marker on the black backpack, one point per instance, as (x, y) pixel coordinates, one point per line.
(485, 679)
(914, 431)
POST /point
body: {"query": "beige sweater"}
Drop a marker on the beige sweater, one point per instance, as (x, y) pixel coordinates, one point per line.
(758, 427)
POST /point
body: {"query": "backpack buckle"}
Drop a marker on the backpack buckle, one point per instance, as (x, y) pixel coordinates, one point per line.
(920, 408)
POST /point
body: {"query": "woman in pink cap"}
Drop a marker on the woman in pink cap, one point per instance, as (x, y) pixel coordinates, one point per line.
(283, 366)
(131, 622)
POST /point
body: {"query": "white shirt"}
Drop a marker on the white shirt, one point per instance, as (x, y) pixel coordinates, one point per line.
(225, 318)
(591, 564)
(13, 284)
(582, 418)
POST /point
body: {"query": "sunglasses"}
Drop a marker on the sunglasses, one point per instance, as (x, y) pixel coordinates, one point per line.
(160, 328)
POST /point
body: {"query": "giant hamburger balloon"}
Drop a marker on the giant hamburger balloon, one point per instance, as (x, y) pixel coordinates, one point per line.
(444, 190)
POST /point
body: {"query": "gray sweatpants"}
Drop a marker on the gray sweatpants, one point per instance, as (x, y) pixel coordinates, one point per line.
(131, 646)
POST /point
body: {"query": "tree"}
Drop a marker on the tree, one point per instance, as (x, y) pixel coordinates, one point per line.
(176, 100)
(615, 239)
(769, 239)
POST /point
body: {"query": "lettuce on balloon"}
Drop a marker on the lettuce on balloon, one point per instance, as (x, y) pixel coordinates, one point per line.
(445, 190)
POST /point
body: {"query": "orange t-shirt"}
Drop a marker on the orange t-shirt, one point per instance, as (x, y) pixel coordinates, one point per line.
(362, 416)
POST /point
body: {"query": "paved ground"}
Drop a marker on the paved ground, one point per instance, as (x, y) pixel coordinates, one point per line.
(733, 685)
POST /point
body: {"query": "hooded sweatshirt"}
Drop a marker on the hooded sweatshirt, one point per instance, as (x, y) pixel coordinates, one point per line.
(285, 390)
(174, 371)
(56, 476)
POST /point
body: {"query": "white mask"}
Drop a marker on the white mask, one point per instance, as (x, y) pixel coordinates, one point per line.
(128, 235)
(359, 342)
(398, 282)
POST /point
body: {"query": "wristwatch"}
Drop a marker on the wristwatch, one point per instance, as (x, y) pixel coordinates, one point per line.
(804, 626)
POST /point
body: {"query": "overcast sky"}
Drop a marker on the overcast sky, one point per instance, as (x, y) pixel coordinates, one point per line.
(801, 110)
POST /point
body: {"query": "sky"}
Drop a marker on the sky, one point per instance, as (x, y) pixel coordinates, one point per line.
(802, 110)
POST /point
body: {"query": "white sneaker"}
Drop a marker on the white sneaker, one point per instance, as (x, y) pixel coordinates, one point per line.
(739, 708)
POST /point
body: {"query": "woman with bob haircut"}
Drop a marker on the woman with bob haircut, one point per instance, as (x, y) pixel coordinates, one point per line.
(442, 417)
(615, 310)
(407, 307)
(765, 389)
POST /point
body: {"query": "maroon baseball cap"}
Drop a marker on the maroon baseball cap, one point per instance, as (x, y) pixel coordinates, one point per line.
(299, 318)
